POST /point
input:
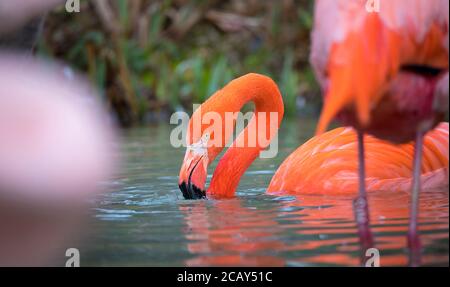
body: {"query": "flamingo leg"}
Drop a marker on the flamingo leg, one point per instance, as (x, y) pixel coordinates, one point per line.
(360, 204)
(413, 234)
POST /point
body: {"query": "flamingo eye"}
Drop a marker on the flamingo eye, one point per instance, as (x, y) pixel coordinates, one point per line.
(205, 137)
(200, 147)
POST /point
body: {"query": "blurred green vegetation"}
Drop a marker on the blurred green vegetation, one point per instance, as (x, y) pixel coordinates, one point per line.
(150, 58)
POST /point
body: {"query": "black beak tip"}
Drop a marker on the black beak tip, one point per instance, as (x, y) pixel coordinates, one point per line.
(191, 192)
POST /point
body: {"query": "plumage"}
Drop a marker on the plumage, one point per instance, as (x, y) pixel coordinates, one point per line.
(327, 164)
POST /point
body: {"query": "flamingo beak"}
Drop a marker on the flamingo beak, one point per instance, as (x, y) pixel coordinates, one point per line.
(193, 173)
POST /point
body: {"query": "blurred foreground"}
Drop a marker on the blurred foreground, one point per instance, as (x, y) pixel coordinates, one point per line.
(56, 147)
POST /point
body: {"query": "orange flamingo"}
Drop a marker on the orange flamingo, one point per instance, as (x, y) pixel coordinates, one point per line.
(384, 73)
(326, 164)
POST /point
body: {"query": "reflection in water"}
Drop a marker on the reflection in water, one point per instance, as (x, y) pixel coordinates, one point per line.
(319, 229)
(219, 238)
(146, 221)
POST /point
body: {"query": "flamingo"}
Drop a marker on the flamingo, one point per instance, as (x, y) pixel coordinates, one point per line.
(326, 164)
(384, 72)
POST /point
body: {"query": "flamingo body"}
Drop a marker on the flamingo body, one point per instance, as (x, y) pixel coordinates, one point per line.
(327, 164)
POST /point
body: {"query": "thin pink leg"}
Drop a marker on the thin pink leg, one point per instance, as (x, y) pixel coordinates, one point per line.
(361, 205)
(413, 234)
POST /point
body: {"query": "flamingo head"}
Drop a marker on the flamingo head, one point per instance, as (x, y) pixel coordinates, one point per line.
(193, 171)
(211, 128)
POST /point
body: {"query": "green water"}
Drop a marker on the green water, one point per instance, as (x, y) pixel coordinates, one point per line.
(144, 221)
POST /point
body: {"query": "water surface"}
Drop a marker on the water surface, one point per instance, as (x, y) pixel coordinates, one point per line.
(145, 221)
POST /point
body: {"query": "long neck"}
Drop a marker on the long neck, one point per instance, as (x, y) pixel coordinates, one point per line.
(264, 93)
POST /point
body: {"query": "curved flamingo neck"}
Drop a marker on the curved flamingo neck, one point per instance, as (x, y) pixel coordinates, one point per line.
(264, 93)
